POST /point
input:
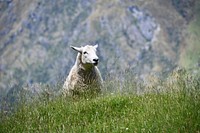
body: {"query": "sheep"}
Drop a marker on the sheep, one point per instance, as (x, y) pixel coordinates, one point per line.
(84, 76)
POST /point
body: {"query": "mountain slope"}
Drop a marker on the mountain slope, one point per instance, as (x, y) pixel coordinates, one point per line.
(140, 36)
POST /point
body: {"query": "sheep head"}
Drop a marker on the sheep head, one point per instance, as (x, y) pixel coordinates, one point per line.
(88, 55)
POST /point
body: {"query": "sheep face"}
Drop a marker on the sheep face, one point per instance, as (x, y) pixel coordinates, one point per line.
(88, 54)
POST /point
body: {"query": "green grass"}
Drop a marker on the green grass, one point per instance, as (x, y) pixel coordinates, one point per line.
(112, 113)
(175, 110)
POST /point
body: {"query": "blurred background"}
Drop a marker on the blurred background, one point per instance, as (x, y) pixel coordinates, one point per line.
(137, 36)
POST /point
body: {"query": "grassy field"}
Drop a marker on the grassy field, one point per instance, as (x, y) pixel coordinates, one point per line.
(175, 110)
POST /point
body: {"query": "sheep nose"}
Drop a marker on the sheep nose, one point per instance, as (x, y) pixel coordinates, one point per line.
(95, 60)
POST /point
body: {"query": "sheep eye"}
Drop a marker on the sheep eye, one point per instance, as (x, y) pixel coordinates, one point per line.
(85, 53)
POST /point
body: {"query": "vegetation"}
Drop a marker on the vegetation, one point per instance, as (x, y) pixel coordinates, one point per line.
(174, 109)
(144, 36)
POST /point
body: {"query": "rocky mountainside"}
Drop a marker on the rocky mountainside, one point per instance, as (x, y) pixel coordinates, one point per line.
(138, 36)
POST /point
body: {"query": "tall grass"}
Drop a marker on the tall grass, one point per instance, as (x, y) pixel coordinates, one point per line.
(176, 109)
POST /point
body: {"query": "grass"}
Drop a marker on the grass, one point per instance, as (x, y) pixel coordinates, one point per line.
(170, 111)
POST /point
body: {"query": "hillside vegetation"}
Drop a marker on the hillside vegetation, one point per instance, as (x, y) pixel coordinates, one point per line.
(142, 45)
(174, 110)
(119, 113)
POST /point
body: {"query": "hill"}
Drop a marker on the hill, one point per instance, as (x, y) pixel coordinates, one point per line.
(176, 109)
(177, 112)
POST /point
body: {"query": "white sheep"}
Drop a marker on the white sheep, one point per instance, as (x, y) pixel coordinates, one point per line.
(84, 75)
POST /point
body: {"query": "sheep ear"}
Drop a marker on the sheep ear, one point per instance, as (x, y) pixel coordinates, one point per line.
(96, 46)
(76, 49)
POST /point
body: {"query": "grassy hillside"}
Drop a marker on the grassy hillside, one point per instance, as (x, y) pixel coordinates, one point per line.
(135, 37)
(118, 113)
(175, 110)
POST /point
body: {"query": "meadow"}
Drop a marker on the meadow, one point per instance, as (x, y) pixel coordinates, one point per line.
(174, 109)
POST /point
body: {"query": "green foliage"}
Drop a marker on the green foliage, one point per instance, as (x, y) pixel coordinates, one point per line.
(174, 110)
